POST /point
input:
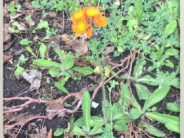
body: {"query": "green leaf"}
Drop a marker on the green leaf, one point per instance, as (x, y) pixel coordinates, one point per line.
(170, 28)
(156, 97)
(152, 130)
(58, 132)
(142, 92)
(19, 70)
(84, 70)
(135, 113)
(42, 50)
(71, 122)
(138, 69)
(131, 23)
(120, 125)
(94, 121)
(96, 130)
(138, 9)
(173, 127)
(68, 63)
(125, 93)
(61, 87)
(22, 59)
(97, 121)
(173, 107)
(86, 109)
(163, 118)
(25, 42)
(46, 63)
(11, 7)
(172, 52)
(77, 131)
(30, 50)
(42, 24)
(54, 72)
(80, 122)
(169, 64)
(171, 122)
(151, 81)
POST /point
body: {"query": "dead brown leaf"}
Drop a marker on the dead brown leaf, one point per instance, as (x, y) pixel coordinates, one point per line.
(57, 24)
(50, 134)
(78, 44)
(33, 77)
(30, 22)
(14, 17)
(6, 35)
(5, 9)
(109, 50)
(27, 5)
(22, 27)
(41, 134)
(8, 45)
(6, 58)
(52, 14)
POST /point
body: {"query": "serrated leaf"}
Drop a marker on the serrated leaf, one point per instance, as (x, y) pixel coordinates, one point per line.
(86, 109)
(156, 97)
(131, 23)
(84, 70)
(171, 122)
(77, 131)
(42, 50)
(138, 9)
(170, 28)
(58, 132)
(46, 63)
(173, 107)
(25, 42)
(42, 24)
(142, 92)
(68, 63)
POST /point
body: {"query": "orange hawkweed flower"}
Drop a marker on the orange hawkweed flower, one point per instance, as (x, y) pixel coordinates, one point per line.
(91, 11)
(78, 15)
(100, 20)
(80, 27)
(90, 32)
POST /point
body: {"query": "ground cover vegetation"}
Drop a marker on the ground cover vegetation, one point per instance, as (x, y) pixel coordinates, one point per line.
(90, 68)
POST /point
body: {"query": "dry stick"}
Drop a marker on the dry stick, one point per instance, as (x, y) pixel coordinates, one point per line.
(60, 100)
(50, 116)
(97, 88)
(128, 79)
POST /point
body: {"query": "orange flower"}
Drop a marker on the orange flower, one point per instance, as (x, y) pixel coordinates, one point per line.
(80, 27)
(91, 11)
(90, 32)
(78, 15)
(100, 20)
